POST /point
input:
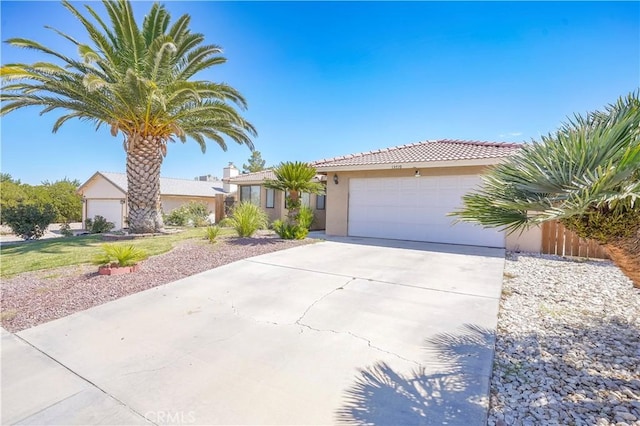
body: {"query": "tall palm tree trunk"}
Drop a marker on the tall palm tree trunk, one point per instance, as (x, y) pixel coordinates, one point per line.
(625, 253)
(144, 159)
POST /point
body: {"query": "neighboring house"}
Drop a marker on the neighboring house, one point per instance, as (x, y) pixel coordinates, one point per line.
(250, 188)
(406, 193)
(105, 194)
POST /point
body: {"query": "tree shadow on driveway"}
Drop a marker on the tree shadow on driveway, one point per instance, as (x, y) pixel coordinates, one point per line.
(456, 394)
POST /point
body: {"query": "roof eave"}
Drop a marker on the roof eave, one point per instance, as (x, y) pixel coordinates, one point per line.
(93, 177)
(414, 165)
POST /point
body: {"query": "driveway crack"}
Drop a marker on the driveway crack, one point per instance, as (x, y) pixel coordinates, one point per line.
(342, 287)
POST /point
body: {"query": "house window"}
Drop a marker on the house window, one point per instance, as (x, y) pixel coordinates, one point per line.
(305, 200)
(250, 193)
(320, 201)
(271, 194)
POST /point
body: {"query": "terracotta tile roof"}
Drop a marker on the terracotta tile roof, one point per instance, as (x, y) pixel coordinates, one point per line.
(427, 151)
(260, 176)
(169, 186)
(252, 177)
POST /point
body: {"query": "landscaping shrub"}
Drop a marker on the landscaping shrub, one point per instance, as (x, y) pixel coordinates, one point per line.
(65, 230)
(29, 221)
(193, 214)
(212, 233)
(305, 217)
(288, 231)
(99, 225)
(120, 255)
(247, 218)
(225, 223)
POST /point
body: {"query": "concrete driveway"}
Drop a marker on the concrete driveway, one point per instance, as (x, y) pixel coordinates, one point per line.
(350, 331)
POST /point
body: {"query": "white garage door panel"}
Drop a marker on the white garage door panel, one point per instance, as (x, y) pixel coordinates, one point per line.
(109, 209)
(415, 209)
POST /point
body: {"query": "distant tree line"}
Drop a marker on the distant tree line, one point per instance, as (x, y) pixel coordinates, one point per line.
(59, 197)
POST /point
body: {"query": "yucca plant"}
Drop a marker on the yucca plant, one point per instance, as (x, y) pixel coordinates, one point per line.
(586, 175)
(135, 80)
(247, 218)
(120, 255)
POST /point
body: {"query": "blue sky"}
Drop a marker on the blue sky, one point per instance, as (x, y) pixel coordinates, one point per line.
(330, 78)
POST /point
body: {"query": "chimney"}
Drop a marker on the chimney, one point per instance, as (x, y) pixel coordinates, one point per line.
(229, 172)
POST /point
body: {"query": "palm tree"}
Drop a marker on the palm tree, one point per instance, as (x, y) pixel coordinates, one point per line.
(294, 178)
(587, 175)
(137, 81)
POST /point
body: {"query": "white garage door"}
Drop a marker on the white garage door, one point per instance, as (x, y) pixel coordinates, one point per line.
(415, 209)
(109, 209)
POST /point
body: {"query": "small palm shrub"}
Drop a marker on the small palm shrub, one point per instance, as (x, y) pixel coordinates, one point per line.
(288, 231)
(247, 218)
(212, 233)
(99, 225)
(120, 255)
(29, 221)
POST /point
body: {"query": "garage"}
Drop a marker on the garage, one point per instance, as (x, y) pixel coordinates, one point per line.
(415, 209)
(112, 210)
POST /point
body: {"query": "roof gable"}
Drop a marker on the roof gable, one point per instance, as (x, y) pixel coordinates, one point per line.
(424, 152)
(168, 186)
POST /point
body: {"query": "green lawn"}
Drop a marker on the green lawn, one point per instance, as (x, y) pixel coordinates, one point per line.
(57, 252)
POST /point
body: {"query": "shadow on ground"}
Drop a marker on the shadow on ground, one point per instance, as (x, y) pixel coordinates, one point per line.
(457, 394)
(414, 245)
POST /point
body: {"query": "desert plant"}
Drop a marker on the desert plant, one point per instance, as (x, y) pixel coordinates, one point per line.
(288, 231)
(98, 225)
(65, 230)
(247, 218)
(586, 175)
(119, 255)
(212, 233)
(29, 221)
(305, 217)
(295, 178)
(138, 79)
(225, 223)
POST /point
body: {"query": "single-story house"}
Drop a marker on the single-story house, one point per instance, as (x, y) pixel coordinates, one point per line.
(406, 192)
(105, 194)
(250, 188)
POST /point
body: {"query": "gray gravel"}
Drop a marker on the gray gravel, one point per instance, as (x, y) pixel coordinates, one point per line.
(568, 345)
(33, 298)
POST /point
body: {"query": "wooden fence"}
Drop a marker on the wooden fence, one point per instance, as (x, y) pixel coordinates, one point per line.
(556, 239)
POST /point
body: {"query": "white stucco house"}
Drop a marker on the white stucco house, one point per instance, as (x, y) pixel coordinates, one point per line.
(105, 194)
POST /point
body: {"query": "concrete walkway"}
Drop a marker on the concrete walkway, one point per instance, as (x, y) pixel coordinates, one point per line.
(350, 331)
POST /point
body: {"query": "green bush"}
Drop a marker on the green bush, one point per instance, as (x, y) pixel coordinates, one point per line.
(247, 218)
(65, 230)
(212, 233)
(29, 221)
(191, 214)
(98, 225)
(287, 231)
(120, 255)
(305, 217)
(225, 223)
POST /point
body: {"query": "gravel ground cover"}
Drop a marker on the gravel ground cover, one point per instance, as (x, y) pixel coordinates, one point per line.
(33, 298)
(568, 345)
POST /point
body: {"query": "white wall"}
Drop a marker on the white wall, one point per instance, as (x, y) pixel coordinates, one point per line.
(102, 188)
(529, 241)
